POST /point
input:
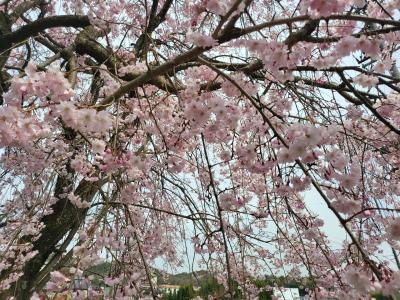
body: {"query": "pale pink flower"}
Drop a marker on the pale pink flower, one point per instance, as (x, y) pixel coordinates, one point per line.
(337, 159)
(217, 7)
(348, 181)
(366, 81)
(312, 136)
(103, 122)
(311, 233)
(346, 206)
(98, 146)
(370, 47)
(393, 229)
(324, 8)
(201, 40)
(346, 45)
(357, 279)
(58, 281)
(77, 201)
(35, 296)
(298, 148)
(285, 156)
(383, 66)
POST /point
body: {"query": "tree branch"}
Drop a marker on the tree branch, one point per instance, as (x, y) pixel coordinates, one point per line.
(32, 29)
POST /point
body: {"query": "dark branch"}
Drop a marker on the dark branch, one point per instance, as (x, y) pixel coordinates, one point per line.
(32, 29)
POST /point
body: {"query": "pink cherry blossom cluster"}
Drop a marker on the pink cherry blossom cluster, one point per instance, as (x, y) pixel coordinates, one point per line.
(221, 8)
(195, 76)
(303, 140)
(228, 201)
(201, 40)
(323, 8)
(19, 128)
(366, 81)
(87, 120)
(349, 44)
(133, 68)
(77, 201)
(389, 108)
(58, 282)
(169, 120)
(274, 55)
(49, 85)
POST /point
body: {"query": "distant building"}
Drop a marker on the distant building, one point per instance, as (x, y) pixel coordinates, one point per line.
(169, 288)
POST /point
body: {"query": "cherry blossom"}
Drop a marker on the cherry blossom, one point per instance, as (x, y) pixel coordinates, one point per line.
(243, 138)
(366, 81)
(201, 40)
(393, 229)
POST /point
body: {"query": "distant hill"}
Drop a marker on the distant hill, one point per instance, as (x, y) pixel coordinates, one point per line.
(195, 278)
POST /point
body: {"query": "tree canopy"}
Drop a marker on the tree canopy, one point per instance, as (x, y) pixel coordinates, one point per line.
(230, 136)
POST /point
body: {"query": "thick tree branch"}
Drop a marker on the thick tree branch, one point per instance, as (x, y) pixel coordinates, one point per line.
(32, 29)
